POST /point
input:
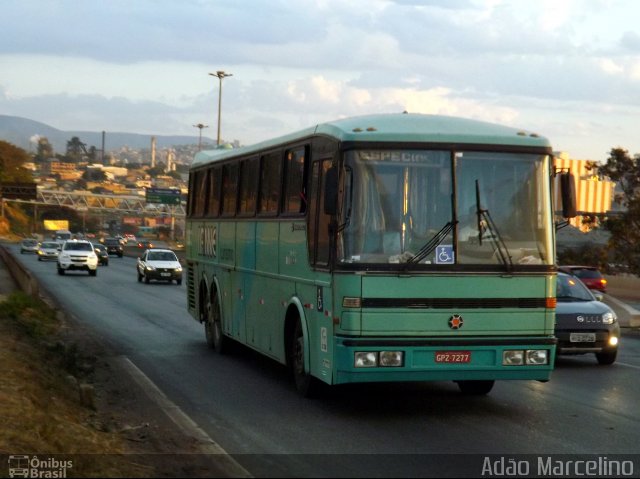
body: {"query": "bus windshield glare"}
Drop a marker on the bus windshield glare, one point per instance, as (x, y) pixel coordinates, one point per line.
(398, 207)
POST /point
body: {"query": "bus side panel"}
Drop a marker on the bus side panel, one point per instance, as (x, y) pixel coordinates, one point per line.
(265, 313)
(245, 261)
(232, 307)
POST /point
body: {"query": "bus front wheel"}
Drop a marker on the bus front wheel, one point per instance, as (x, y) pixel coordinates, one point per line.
(307, 385)
(475, 388)
(213, 325)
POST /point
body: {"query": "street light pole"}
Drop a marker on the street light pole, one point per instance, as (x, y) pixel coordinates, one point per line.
(220, 74)
(200, 126)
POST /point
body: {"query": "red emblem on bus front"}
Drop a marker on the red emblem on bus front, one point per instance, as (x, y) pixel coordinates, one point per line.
(455, 321)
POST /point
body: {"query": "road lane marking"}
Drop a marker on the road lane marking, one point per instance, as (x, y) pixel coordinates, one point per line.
(628, 365)
(208, 446)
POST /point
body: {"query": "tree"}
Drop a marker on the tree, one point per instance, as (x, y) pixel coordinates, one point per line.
(75, 149)
(94, 175)
(44, 149)
(156, 171)
(12, 159)
(624, 227)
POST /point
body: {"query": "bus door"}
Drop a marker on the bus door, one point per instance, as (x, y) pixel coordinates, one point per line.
(316, 295)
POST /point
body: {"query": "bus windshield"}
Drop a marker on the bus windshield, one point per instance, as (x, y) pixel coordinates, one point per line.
(398, 207)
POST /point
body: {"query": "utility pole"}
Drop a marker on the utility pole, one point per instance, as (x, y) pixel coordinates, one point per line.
(200, 126)
(220, 74)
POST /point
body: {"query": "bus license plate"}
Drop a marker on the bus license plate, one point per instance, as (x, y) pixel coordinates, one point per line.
(582, 337)
(453, 356)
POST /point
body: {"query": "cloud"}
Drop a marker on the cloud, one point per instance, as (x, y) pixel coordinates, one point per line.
(630, 41)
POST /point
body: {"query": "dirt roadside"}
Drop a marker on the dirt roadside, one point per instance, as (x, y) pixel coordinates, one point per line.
(100, 403)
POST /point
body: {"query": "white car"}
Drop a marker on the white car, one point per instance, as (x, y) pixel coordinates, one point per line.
(78, 255)
(160, 264)
(48, 250)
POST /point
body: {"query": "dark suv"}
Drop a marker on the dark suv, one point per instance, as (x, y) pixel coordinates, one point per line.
(114, 246)
(589, 275)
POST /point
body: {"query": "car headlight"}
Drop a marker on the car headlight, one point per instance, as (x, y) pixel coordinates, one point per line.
(609, 318)
(149, 268)
(64, 256)
(179, 269)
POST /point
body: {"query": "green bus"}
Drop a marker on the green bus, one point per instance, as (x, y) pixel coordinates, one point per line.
(397, 247)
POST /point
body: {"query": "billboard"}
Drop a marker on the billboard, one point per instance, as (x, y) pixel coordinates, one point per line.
(54, 225)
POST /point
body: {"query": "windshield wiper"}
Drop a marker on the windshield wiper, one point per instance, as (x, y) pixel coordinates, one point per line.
(432, 244)
(484, 219)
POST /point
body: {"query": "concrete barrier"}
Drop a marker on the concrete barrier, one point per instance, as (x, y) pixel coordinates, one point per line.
(20, 275)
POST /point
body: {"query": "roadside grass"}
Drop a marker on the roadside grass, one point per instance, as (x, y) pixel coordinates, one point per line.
(40, 408)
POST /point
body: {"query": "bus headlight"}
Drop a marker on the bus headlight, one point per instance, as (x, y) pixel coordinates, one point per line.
(512, 358)
(537, 356)
(391, 358)
(366, 359)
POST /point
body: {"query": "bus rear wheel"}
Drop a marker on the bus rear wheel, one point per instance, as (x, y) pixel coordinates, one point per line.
(476, 388)
(213, 325)
(307, 385)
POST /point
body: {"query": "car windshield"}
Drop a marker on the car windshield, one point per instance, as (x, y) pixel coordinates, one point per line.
(571, 289)
(29, 242)
(49, 245)
(70, 246)
(162, 256)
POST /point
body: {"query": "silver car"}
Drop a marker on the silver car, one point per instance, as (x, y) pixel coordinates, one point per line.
(29, 246)
(48, 250)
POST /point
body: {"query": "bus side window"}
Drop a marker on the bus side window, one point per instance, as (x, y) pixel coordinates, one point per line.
(200, 193)
(318, 219)
(248, 187)
(229, 189)
(270, 181)
(295, 187)
(213, 207)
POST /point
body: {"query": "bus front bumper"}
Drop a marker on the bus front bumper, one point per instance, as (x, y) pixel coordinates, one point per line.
(478, 358)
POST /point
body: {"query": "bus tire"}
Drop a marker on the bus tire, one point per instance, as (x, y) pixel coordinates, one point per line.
(213, 325)
(475, 388)
(307, 385)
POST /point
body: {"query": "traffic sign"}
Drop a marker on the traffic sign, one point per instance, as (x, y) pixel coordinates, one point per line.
(167, 196)
(18, 191)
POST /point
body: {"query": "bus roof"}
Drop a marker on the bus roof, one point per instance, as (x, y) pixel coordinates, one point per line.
(398, 127)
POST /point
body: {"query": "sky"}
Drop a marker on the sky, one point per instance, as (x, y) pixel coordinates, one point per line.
(566, 69)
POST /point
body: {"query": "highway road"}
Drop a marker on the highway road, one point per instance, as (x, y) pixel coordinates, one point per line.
(247, 404)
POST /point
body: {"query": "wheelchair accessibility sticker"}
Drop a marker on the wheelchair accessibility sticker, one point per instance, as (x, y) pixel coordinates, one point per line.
(444, 254)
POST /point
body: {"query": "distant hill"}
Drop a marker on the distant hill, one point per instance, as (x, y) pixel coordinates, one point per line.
(18, 131)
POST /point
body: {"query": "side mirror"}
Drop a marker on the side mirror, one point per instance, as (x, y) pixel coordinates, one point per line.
(331, 191)
(568, 193)
(599, 296)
